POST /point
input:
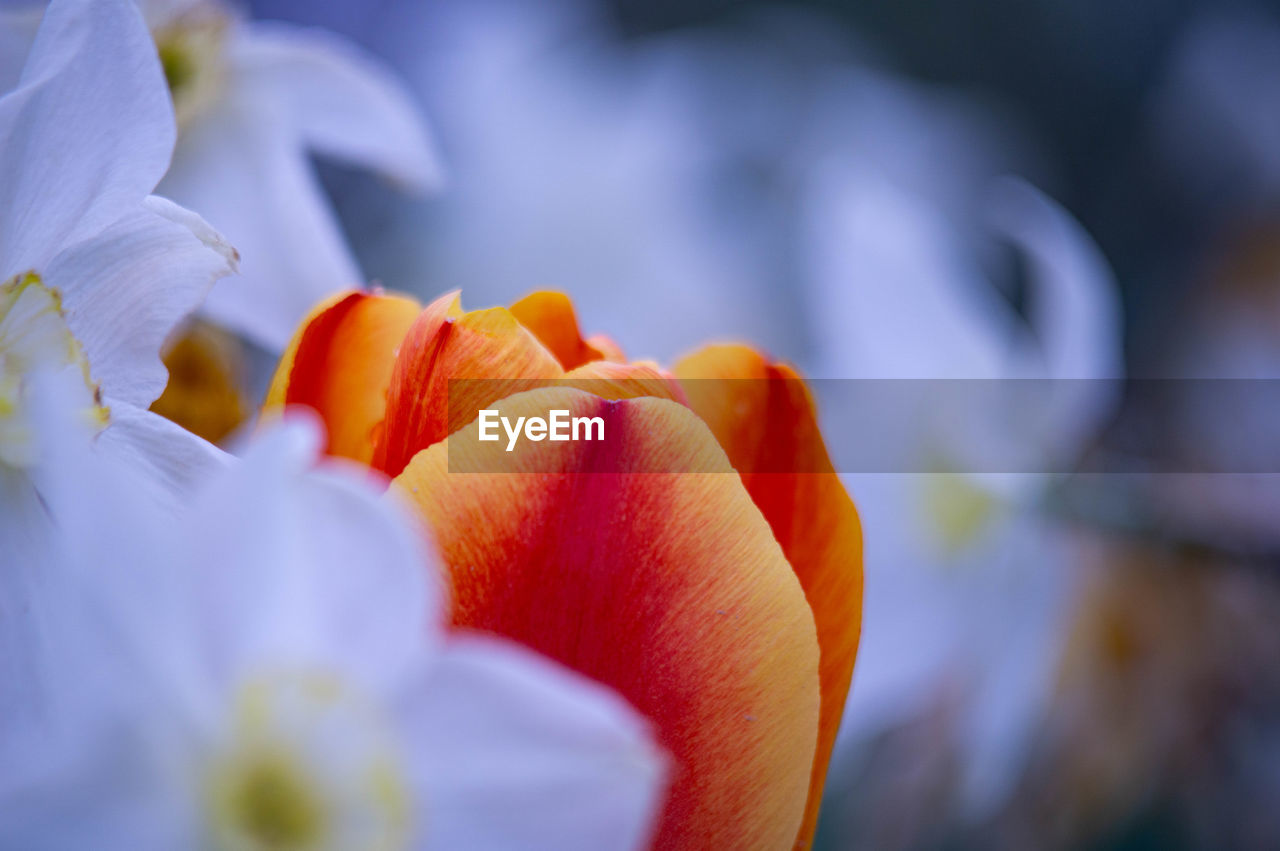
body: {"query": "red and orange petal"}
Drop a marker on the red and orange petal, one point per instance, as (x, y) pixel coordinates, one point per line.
(443, 344)
(340, 364)
(667, 586)
(550, 317)
(763, 416)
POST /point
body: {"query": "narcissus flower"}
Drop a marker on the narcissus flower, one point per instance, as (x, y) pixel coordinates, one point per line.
(966, 579)
(718, 589)
(253, 100)
(270, 672)
(95, 271)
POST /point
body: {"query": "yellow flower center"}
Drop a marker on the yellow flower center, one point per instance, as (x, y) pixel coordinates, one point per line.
(308, 766)
(206, 375)
(270, 803)
(190, 49)
(958, 510)
(34, 337)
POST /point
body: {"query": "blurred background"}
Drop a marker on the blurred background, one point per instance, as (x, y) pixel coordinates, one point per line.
(913, 189)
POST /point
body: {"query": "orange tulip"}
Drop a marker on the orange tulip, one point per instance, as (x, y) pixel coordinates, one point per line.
(725, 607)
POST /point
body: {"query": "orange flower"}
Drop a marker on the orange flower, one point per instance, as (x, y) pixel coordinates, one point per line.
(725, 607)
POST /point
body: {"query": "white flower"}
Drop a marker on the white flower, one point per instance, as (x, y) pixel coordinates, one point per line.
(1212, 120)
(94, 271)
(571, 167)
(966, 581)
(271, 672)
(253, 98)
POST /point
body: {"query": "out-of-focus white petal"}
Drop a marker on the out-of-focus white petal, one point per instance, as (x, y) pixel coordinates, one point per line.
(127, 288)
(1074, 313)
(158, 13)
(25, 535)
(86, 135)
(894, 294)
(501, 739)
(308, 568)
(99, 547)
(612, 193)
(17, 32)
(1213, 119)
(337, 99)
(170, 459)
(239, 166)
(980, 626)
(1075, 306)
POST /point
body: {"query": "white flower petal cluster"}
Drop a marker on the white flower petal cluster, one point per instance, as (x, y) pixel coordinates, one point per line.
(254, 100)
(95, 272)
(271, 671)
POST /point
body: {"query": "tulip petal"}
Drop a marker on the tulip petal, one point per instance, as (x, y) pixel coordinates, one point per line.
(666, 586)
(764, 418)
(340, 364)
(550, 317)
(446, 344)
(278, 389)
(624, 380)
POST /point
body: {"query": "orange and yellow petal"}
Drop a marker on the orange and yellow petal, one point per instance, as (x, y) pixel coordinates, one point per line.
(667, 586)
(340, 364)
(205, 393)
(763, 416)
(624, 380)
(279, 385)
(489, 346)
(550, 317)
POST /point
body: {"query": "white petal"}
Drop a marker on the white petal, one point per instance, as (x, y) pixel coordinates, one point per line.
(168, 458)
(108, 545)
(1075, 317)
(301, 567)
(1076, 309)
(337, 99)
(512, 751)
(237, 165)
(26, 534)
(87, 751)
(17, 33)
(898, 296)
(85, 136)
(126, 289)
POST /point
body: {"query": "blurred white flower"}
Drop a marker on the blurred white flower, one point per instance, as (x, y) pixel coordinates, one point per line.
(94, 271)
(571, 168)
(1213, 118)
(271, 671)
(253, 99)
(965, 581)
